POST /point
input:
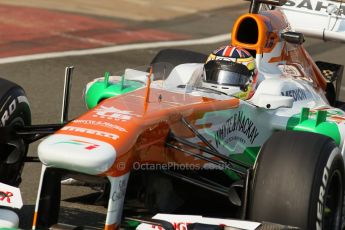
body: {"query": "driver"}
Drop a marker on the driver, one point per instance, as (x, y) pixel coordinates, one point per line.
(231, 70)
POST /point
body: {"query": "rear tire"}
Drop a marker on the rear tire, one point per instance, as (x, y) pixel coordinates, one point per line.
(298, 181)
(14, 111)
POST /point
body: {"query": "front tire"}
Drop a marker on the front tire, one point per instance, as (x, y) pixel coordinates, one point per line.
(14, 111)
(298, 181)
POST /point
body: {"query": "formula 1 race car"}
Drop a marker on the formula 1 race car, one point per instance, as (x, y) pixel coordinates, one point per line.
(173, 138)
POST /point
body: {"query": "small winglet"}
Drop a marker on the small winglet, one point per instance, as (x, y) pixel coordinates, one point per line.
(106, 79)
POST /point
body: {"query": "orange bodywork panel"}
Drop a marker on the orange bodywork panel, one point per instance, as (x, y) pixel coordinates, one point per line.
(141, 127)
(262, 33)
(268, 27)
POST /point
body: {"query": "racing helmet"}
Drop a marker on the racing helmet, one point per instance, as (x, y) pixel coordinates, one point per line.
(231, 70)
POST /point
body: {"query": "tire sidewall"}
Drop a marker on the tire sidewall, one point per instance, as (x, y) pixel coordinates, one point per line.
(329, 165)
(288, 186)
(14, 111)
(14, 104)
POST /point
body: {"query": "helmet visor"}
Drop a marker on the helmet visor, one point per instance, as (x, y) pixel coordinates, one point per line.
(223, 72)
(225, 77)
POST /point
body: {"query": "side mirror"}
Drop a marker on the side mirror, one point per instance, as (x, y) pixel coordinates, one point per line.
(269, 101)
(293, 37)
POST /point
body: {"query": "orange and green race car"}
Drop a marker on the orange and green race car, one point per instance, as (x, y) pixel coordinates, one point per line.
(255, 128)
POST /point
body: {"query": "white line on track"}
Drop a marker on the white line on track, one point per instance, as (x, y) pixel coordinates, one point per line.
(119, 48)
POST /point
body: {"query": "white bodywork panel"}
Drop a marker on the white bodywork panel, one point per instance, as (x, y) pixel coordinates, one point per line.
(181, 221)
(76, 153)
(8, 219)
(324, 19)
(10, 197)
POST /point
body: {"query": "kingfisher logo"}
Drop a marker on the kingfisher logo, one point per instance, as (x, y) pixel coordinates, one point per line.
(112, 113)
(86, 145)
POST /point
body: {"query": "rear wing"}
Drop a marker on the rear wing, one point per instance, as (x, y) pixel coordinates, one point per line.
(323, 19)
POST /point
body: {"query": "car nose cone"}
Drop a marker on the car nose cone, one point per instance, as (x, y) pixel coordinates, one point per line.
(75, 153)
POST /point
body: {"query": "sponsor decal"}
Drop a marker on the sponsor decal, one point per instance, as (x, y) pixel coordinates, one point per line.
(290, 70)
(8, 112)
(6, 196)
(318, 6)
(330, 111)
(236, 123)
(320, 203)
(10, 196)
(113, 113)
(91, 131)
(85, 144)
(23, 99)
(100, 123)
(337, 119)
(12, 107)
(294, 70)
(177, 226)
(219, 58)
(296, 94)
(333, 114)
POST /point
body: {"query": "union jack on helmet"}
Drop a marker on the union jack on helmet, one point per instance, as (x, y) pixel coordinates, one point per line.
(235, 54)
(232, 52)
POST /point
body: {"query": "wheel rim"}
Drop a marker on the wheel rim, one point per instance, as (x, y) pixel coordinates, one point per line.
(332, 206)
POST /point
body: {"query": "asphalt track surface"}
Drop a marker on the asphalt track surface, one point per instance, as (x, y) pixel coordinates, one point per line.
(43, 82)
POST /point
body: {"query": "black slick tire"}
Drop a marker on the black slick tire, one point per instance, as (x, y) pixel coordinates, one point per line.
(298, 181)
(14, 111)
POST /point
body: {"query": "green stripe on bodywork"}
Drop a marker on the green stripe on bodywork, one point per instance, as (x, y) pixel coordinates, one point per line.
(68, 142)
(319, 124)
